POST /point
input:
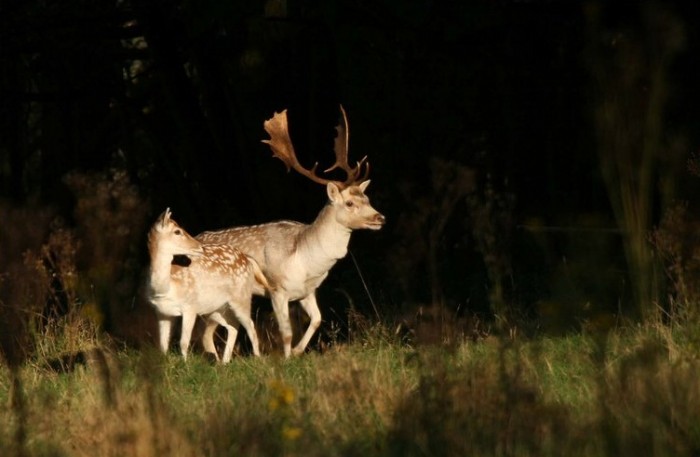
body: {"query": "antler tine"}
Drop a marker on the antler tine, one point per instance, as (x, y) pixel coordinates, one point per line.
(341, 143)
(341, 152)
(359, 164)
(282, 148)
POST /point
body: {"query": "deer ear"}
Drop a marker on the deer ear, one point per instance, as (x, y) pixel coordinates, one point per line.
(164, 218)
(363, 185)
(333, 192)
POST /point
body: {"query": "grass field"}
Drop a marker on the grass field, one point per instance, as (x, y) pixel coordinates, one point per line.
(633, 391)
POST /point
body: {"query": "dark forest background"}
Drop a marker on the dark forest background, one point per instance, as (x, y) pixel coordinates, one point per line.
(534, 159)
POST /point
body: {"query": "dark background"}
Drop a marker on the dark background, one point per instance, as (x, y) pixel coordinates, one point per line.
(486, 124)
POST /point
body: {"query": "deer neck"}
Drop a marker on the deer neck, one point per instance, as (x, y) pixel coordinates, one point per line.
(325, 240)
(159, 278)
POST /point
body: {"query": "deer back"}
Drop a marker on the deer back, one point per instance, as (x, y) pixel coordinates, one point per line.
(223, 274)
(266, 243)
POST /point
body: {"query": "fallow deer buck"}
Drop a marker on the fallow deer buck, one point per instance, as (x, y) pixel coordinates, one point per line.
(297, 257)
(217, 284)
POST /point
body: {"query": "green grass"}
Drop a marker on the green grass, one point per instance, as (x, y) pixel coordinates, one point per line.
(631, 392)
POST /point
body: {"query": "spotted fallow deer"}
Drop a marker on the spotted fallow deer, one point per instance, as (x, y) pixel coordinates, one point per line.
(216, 283)
(297, 257)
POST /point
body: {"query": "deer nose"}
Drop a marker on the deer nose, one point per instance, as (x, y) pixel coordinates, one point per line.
(379, 218)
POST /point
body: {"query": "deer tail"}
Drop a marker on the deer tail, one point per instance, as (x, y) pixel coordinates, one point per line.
(259, 275)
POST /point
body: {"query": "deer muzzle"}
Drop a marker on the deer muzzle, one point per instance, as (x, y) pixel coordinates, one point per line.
(376, 221)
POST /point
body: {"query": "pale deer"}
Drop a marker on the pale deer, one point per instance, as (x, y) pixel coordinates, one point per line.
(216, 282)
(297, 257)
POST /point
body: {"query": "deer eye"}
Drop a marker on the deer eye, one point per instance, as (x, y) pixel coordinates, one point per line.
(349, 203)
(178, 232)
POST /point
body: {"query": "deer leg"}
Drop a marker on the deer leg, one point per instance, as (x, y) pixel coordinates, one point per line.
(280, 304)
(311, 307)
(165, 325)
(249, 327)
(208, 336)
(186, 333)
(231, 333)
(230, 340)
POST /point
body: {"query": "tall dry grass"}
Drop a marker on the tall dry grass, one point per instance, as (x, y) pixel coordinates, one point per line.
(624, 393)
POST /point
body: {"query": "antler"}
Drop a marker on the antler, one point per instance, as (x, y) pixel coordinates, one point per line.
(341, 153)
(282, 148)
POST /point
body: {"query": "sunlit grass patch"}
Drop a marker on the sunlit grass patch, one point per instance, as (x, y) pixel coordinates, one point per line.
(614, 394)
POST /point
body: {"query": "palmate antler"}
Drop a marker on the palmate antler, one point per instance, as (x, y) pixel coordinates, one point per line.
(281, 144)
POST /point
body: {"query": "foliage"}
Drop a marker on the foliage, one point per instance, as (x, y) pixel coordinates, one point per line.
(622, 393)
(631, 77)
(90, 271)
(675, 242)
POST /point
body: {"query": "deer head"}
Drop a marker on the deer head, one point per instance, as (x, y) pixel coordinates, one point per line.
(172, 238)
(347, 197)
